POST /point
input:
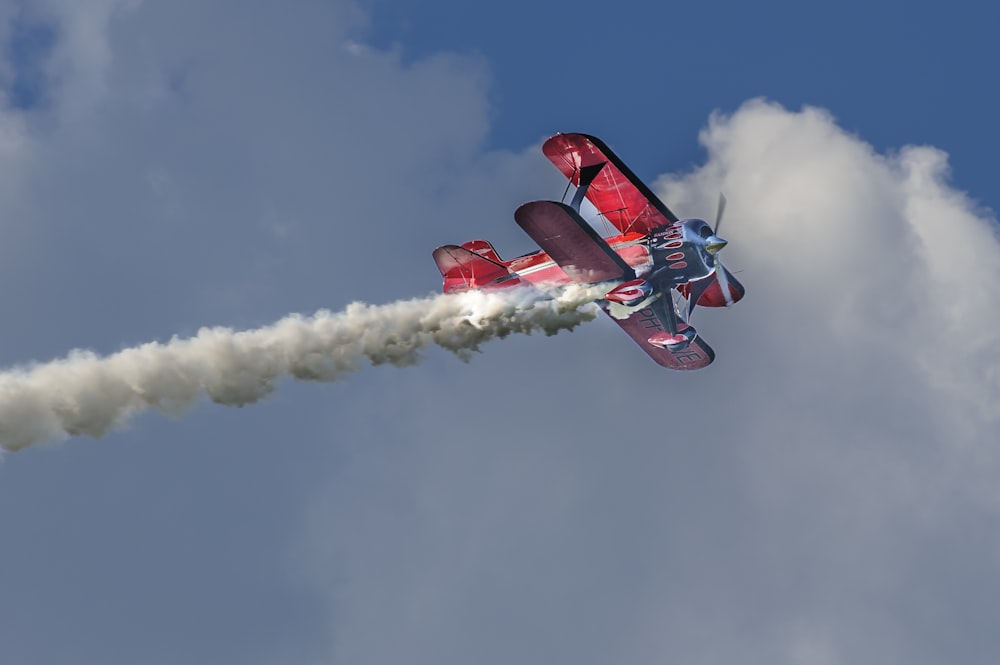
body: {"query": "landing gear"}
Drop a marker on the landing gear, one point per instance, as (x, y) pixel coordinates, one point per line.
(676, 342)
(676, 335)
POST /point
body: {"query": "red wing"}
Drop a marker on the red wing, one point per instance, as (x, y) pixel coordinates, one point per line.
(644, 323)
(571, 242)
(616, 192)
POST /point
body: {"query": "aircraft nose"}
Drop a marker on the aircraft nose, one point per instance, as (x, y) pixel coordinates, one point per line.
(714, 244)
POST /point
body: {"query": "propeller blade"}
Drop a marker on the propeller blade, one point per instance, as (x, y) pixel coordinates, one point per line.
(718, 212)
(720, 274)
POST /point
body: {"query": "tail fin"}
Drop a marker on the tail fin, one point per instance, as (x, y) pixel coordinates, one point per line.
(464, 268)
(484, 249)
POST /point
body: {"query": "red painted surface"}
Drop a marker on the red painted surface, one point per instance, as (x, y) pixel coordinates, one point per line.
(612, 192)
(643, 324)
(631, 292)
(712, 297)
(536, 268)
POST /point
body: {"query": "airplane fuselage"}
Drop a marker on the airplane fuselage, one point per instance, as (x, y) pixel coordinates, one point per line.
(670, 252)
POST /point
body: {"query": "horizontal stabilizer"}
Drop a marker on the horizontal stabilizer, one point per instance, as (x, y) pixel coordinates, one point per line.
(463, 269)
(571, 242)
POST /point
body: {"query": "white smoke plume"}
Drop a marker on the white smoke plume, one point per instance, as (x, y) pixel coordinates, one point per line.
(86, 394)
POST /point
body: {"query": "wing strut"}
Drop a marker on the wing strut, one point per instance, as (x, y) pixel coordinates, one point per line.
(587, 175)
(665, 312)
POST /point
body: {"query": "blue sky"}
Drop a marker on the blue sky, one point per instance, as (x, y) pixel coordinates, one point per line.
(894, 72)
(825, 493)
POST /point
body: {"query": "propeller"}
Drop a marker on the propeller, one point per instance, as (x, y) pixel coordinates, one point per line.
(718, 211)
(714, 249)
(714, 245)
(720, 274)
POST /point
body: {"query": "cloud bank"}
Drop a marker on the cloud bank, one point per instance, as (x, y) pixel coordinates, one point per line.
(825, 493)
(875, 262)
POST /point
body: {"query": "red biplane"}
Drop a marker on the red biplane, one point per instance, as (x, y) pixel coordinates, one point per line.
(658, 267)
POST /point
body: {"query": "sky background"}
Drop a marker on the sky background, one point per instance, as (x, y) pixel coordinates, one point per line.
(824, 494)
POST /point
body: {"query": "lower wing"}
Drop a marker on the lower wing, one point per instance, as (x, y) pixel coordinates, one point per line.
(642, 324)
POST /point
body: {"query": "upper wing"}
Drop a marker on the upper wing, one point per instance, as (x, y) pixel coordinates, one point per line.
(616, 192)
(642, 324)
(571, 242)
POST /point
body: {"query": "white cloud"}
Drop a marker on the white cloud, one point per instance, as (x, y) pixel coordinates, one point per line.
(873, 257)
(784, 506)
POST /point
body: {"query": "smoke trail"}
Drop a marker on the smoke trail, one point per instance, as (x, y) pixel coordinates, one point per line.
(85, 394)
